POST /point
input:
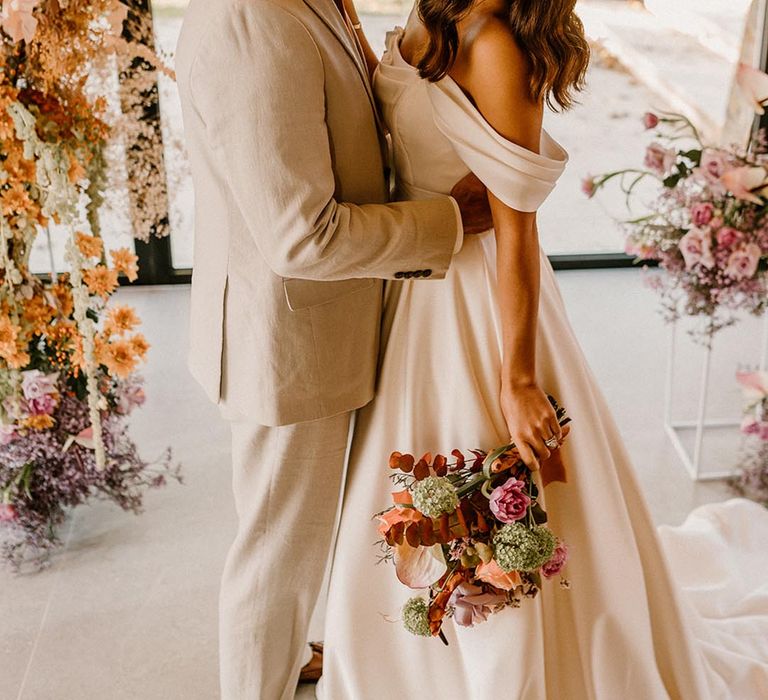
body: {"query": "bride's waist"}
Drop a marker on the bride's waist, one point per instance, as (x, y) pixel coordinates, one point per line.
(406, 190)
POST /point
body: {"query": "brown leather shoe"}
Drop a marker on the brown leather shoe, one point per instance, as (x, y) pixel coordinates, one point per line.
(314, 669)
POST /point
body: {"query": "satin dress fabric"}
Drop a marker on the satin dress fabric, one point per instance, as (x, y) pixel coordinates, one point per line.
(626, 629)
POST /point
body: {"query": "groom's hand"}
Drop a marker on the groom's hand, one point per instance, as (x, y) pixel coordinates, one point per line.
(472, 198)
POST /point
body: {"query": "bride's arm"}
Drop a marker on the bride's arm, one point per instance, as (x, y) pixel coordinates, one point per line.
(494, 72)
(371, 59)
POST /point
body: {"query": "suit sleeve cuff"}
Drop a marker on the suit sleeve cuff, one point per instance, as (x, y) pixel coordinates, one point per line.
(459, 227)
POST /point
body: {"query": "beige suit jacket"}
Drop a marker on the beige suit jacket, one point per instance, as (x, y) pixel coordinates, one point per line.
(293, 230)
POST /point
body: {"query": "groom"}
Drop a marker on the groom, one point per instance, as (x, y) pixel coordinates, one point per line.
(294, 235)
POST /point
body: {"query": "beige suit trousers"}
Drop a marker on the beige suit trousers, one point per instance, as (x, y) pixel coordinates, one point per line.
(287, 482)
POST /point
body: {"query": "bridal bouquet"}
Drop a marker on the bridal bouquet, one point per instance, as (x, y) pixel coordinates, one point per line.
(752, 480)
(472, 532)
(708, 225)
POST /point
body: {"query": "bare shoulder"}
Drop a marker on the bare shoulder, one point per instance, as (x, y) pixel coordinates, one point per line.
(493, 69)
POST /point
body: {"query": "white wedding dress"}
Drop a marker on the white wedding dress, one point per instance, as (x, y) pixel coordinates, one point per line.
(632, 626)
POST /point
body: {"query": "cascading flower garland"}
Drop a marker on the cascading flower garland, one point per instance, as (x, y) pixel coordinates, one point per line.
(68, 359)
(708, 225)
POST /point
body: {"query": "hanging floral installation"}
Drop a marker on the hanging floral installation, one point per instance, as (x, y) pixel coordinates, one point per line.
(68, 358)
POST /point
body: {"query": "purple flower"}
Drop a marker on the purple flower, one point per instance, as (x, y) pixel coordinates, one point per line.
(509, 502)
(35, 383)
(650, 120)
(702, 213)
(557, 562)
(472, 605)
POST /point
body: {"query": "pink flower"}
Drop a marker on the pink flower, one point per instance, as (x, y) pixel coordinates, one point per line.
(702, 213)
(509, 502)
(659, 159)
(492, 573)
(18, 20)
(712, 164)
(696, 247)
(588, 186)
(727, 237)
(35, 383)
(751, 426)
(7, 513)
(42, 405)
(7, 433)
(419, 567)
(742, 264)
(753, 84)
(650, 120)
(755, 384)
(472, 605)
(746, 182)
(557, 562)
(131, 398)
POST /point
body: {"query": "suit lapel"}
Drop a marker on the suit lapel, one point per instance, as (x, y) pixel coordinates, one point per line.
(329, 14)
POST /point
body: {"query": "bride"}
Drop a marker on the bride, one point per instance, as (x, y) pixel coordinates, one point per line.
(468, 363)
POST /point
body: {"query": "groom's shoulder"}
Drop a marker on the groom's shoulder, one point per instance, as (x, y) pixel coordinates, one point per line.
(221, 25)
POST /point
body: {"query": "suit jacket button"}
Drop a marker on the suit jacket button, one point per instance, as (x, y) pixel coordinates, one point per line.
(418, 273)
(426, 273)
(408, 275)
(399, 275)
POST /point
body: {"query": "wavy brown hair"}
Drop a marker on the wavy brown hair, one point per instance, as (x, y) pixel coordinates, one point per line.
(548, 31)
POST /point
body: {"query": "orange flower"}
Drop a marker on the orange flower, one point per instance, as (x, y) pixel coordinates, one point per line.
(140, 346)
(15, 200)
(38, 314)
(63, 295)
(100, 280)
(18, 360)
(121, 319)
(126, 262)
(119, 358)
(76, 170)
(89, 246)
(41, 422)
(9, 333)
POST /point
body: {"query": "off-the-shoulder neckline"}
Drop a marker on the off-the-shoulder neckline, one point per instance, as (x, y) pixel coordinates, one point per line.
(449, 83)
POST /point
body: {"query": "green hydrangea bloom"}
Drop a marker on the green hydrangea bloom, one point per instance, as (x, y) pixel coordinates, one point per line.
(434, 496)
(519, 548)
(415, 617)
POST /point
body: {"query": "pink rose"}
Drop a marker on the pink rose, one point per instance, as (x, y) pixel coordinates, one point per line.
(36, 384)
(696, 247)
(509, 502)
(18, 20)
(472, 605)
(492, 573)
(650, 120)
(742, 264)
(702, 213)
(659, 159)
(753, 84)
(7, 513)
(42, 405)
(712, 164)
(557, 562)
(728, 237)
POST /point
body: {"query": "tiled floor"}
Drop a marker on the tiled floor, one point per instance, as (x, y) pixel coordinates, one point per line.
(128, 608)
